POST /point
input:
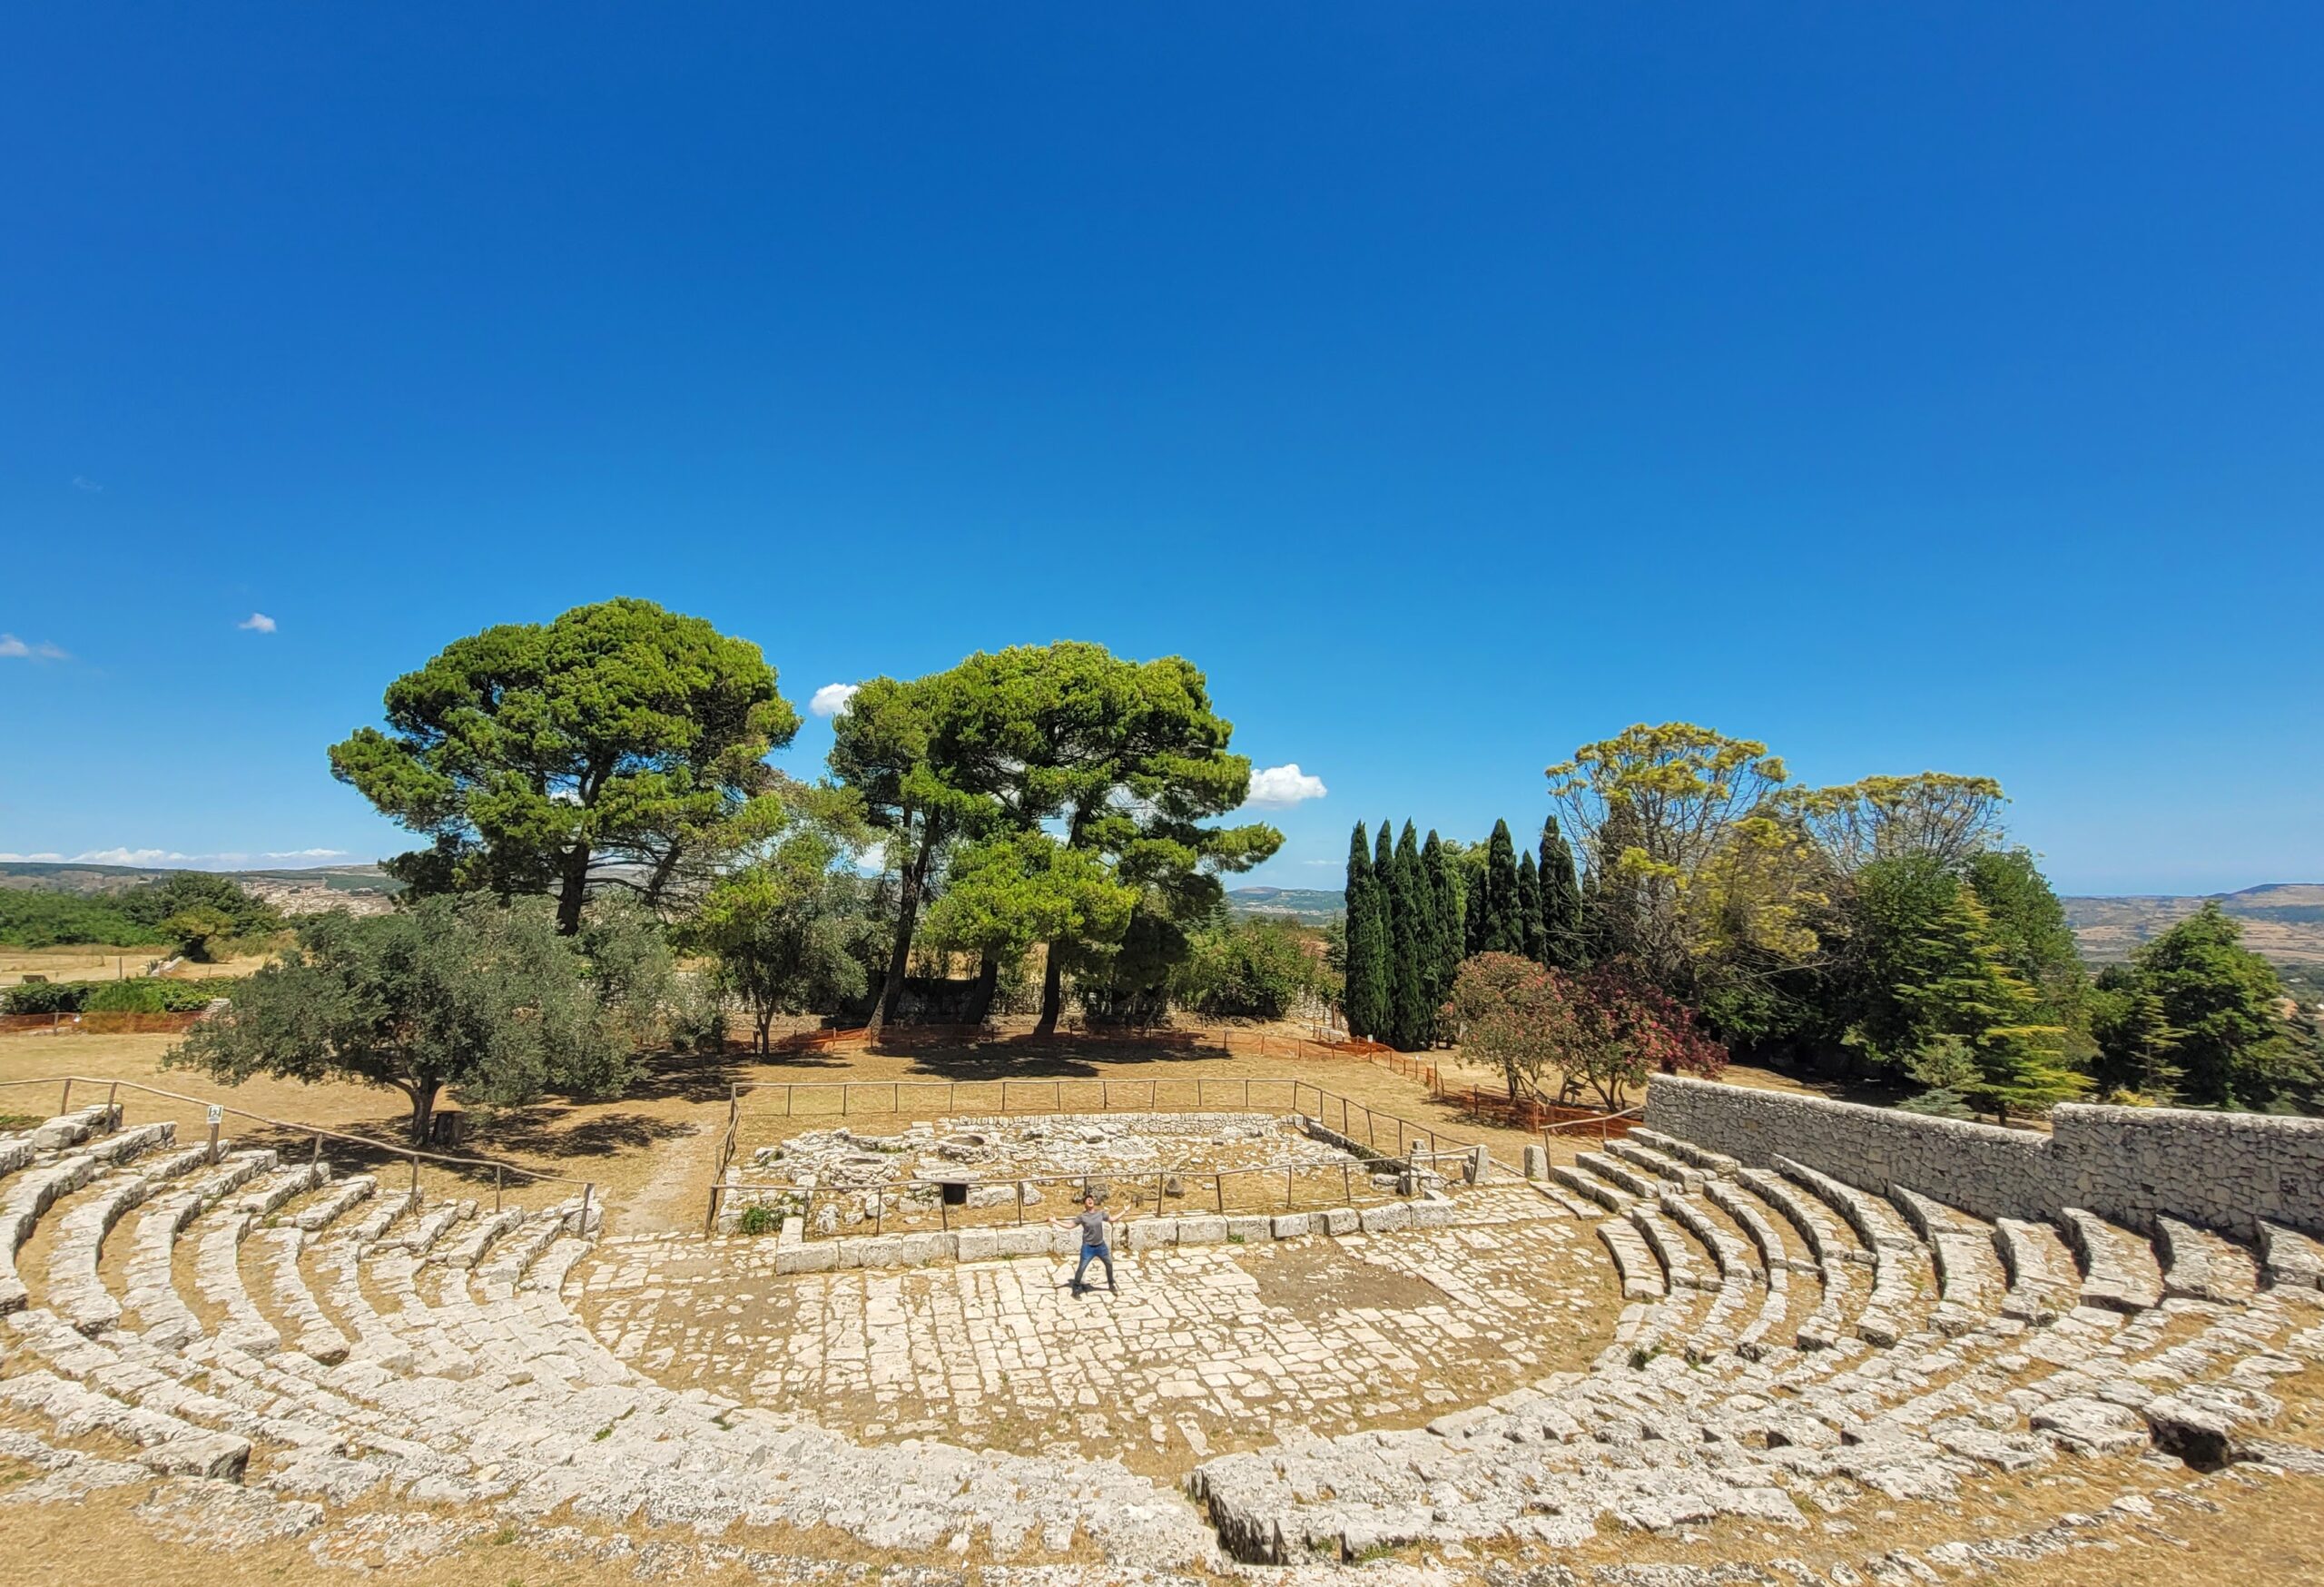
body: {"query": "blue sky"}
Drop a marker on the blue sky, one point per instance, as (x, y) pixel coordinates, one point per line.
(1906, 386)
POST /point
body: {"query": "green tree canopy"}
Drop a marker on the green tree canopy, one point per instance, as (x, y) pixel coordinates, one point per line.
(785, 923)
(1681, 848)
(2233, 1050)
(488, 1000)
(614, 745)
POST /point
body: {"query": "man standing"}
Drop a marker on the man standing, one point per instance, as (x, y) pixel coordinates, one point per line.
(1094, 1246)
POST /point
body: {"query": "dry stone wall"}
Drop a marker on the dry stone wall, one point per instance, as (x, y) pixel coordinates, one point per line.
(2225, 1172)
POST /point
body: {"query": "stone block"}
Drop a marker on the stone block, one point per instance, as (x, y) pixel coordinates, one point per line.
(1480, 1164)
(877, 1251)
(1380, 1220)
(794, 1233)
(1201, 1231)
(1433, 1213)
(1065, 1242)
(1537, 1162)
(1338, 1221)
(1247, 1231)
(980, 1244)
(1147, 1234)
(1292, 1226)
(821, 1257)
(920, 1250)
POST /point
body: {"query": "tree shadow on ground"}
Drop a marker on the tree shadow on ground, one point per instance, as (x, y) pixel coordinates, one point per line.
(1053, 1057)
(602, 1135)
(682, 1077)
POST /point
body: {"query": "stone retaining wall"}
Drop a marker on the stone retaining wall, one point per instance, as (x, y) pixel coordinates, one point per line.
(796, 1254)
(2225, 1172)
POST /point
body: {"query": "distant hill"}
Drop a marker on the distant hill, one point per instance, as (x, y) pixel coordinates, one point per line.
(1308, 906)
(2283, 921)
(364, 889)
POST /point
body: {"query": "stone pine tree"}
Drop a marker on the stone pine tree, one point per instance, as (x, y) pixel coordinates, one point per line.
(1410, 948)
(1366, 1001)
(1560, 901)
(1528, 909)
(1504, 931)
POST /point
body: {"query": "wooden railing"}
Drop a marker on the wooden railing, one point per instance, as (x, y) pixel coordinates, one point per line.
(219, 1111)
(1362, 1125)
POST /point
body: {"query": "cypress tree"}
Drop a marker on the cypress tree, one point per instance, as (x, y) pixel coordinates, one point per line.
(1411, 950)
(1560, 901)
(1367, 995)
(1383, 916)
(1504, 931)
(1528, 909)
(1473, 911)
(1444, 888)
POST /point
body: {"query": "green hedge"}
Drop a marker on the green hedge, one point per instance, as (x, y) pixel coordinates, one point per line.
(114, 997)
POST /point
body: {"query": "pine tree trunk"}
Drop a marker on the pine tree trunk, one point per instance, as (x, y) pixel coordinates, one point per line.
(1053, 992)
(423, 1109)
(572, 887)
(907, 918)
(988, 982)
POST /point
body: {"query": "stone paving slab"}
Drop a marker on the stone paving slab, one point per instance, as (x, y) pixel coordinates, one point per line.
(1205, 1348)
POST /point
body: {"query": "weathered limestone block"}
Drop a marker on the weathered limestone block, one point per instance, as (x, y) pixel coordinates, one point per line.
(1537, 1162)
(1385, 1220)
(1149, 1234)
(1291, 1226)
(1201, 1231)
(1246, 1230)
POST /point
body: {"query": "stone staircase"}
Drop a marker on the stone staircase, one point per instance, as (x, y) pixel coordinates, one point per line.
(313, 1352)
(1794, 1341)
(326, 1348)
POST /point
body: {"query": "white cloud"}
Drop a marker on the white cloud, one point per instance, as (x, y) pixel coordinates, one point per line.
(830, 699)
(43, 859)
(10, 645)
(259, 622)
(1322, 862)
(305, 854)
(1280, 787)
(83, 482)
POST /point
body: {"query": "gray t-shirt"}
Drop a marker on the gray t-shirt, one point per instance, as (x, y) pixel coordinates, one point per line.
(1093, 1226)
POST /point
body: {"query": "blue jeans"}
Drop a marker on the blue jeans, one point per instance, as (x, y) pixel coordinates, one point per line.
(1095, 1254)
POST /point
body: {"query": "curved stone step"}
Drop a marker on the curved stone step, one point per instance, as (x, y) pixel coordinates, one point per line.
(1641, 1274)
(1620, 1175)
(1902, 1267)
(2197, 1264)
(2292, 1259)
(2042, 1282)
(165, 1444)
(1590, 1187)
(1662, 1166)
(344, 1197)
(31, 1193)
(1971, 1281)
(317, 1337)
(75, 1292)
(218, 1269)
(152, 1294)
(2118, 1270)
(1685, 1151)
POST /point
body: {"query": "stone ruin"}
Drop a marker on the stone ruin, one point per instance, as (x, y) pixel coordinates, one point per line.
(904, 1176)
(257, 1350)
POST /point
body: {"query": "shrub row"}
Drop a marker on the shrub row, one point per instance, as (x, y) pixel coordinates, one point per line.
(114, 997)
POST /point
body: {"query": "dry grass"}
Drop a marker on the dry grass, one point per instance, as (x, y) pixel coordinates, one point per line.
(109, 963)
(652, 1152)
